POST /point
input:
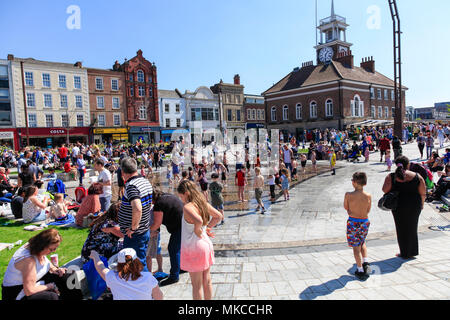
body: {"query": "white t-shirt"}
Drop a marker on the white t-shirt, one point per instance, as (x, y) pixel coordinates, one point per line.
(140, 289)
(75, 151)
(104, 176)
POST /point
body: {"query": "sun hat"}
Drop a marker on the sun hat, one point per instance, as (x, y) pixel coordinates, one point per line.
(121, 256)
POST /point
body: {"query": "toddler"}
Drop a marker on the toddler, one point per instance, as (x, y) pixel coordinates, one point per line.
(388, 160)
(285, 183)
(59, 209)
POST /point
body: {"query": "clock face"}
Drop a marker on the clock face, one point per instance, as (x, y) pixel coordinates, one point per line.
(326, 54)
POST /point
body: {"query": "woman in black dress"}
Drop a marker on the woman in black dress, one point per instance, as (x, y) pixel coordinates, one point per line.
(412, 194)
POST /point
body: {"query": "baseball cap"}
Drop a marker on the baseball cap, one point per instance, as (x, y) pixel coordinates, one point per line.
(126, 252)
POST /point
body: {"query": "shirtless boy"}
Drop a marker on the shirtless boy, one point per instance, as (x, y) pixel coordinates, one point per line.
(358, 204)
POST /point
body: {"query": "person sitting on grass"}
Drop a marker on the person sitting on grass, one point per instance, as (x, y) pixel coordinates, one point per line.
(58, 211)
(129, 282)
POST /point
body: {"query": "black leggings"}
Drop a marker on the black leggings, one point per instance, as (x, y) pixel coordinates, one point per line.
(10, 293)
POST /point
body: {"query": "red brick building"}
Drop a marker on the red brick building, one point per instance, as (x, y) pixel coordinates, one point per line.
(255, 111)
(141, 89)
(107, 102)
(334, 93)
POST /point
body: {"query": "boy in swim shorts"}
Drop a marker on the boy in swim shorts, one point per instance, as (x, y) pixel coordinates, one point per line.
(358, 204)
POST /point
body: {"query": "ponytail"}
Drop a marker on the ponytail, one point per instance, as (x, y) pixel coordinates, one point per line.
(402, 163)
(131, 268)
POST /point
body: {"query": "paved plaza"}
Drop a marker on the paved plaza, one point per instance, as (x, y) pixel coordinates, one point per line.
(298, 249)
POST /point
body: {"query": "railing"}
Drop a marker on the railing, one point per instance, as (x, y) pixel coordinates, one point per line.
(333, 18)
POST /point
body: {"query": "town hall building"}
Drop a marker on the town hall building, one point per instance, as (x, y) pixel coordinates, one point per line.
(334, 92)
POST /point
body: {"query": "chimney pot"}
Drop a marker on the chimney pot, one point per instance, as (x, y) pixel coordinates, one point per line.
(237, 79)
(10, 57)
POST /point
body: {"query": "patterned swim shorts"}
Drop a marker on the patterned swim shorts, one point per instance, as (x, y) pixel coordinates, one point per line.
(357, 230)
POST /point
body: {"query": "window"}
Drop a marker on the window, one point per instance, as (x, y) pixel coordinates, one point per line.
(285, 113)
(263, 115)
(79, 101)
(141, 91)
(254, 114)
(393, 95)
(379, 94)
(46, 80)
(4, 93)
(298, 111)
(386, 94)
(249, 114)
(238, 115)
(143, 112)
(31, 101)
(177, 108)
(228, 98)
(49, 120)
(63, 98)
(32, 120)
(178, 123)
(205, 114)
(167, 123)
(47, 100)
(80, 120)
(150, 92)
(166, 108)
(380, 112)
(77, 82)
(229, 115)
(386, 112)
(372, 93)
(29, 79)
(101, 120)
(238, 99)
(273, 114)
(150, 79)
(131, 91)
(100, 102)
(130, 77)
(116, 119)
(372, 112)
(313, 109)
(62, 81)
(357, 107)
(99, 83)
(140, 76)
(329, 108)
(116, 103)
(64, 120)
(114, 85)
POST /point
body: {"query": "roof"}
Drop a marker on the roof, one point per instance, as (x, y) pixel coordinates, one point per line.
(48, 63)
(168, 94)
(321, 74)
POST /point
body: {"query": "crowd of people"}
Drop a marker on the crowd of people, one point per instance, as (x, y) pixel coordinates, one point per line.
(130, 228)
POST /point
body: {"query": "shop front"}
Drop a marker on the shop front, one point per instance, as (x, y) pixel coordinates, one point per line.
(166, 135)
(53, 137)
(146, 134)
(9, 139)
(114, 135)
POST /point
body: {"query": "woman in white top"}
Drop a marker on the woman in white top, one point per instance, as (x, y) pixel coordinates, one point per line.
(128, 282)
(31, 276)
(197, 253)
(33, 209)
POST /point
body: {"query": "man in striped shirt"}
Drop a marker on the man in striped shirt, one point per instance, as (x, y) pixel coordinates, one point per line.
(135, 215)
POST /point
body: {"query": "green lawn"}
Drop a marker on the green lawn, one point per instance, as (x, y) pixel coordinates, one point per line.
(70, 248)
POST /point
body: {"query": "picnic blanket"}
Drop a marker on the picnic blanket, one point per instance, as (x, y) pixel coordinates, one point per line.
(62, 222)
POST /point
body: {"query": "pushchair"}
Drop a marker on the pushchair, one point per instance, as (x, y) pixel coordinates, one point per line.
(354, 156)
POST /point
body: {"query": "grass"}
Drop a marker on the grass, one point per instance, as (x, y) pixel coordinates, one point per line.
(69, 249)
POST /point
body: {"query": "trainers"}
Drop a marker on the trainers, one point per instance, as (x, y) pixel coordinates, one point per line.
(360, 275)
(168, 281)
(367, 268)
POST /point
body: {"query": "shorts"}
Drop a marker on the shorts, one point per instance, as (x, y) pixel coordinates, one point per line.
(238, 166)
(258, 194)
(219, 207)
(154, 246)
(357, 230)
(303, 164)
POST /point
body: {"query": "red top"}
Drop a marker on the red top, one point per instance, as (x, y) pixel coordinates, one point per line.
(63, 152)
(384, 144)
(241, 178)
(67, 167)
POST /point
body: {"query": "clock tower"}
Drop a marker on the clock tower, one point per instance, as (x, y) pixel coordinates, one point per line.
(333, 38)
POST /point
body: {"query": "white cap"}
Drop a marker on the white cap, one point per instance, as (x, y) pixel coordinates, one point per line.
(126, 252)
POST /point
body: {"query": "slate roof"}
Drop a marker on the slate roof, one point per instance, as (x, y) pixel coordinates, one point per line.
(312, 75)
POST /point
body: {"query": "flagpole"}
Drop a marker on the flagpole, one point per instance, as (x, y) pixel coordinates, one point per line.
(316, 24)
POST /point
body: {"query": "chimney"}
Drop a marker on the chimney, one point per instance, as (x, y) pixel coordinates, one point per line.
(10, 57)
(237, 79)
(368, 64)
(346, 58)
(78, 64)
(116, 66)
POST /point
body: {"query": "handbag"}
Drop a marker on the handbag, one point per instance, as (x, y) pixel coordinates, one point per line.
(389, 201)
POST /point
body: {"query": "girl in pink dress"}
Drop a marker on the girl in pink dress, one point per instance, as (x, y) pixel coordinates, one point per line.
(197, 252)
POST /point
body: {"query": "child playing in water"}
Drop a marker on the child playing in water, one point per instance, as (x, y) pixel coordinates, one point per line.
(388, 160)
(303, 160)
(169, 176)
(358, 204)
(285, 183)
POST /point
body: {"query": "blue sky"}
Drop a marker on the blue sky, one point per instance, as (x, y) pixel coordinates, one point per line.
(199, 42)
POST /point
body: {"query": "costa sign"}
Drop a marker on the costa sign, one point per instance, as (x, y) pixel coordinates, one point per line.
(58, 131)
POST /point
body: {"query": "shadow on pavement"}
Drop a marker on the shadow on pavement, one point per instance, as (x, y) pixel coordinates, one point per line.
(378, 268)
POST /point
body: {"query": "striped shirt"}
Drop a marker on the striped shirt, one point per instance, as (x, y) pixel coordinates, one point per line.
(136, 187)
